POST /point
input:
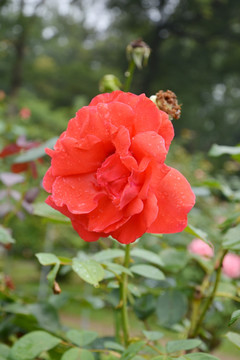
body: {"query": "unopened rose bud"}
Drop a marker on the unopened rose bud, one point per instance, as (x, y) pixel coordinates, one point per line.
(199, 247)
(2, 95)
(56, 288)
(139, 52)
(109, 83)
(231, 266)
(25, 113)
(167, 101)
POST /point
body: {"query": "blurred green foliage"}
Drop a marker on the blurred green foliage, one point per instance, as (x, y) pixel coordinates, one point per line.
(59, 56)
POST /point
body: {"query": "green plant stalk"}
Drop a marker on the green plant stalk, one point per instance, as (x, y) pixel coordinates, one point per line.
(123, 294)
(194, 318)
(129, 75)
(117, 318)
(210, 299)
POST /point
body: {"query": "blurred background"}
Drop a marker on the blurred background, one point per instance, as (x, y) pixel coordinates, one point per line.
(54, 53)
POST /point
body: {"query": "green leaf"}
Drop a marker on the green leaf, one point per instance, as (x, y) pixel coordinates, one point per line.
(64, 260)
(153, 335)
(47, 259)
(46, 315)
(231, 240)
(46, 211)
(174, 260)
(108, 254)
(77, 354)
(218, 150)
(200, 234)
(114, 346)
(52, 274)
(144, 306)
(81, 337)
(147, 255)
(4, 351)
(235, 316)
(179, 345)
(230, 222)
(116, 268)
(200, 356)
(148, 271)
(5, 237)
(35, 153)
(234, 338)
(171, 307)
(90, 271)
(132, 350)
(31, 345)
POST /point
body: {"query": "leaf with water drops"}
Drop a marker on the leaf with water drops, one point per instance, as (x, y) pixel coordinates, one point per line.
(90, 271)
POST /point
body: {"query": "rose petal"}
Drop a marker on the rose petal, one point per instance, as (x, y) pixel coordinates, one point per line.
(149, 144)
(147, 115)
(126, 98)
(117, 114)
(166, 129)
(113, 175)
(48, 180)
(138, 224)
(121, 140)
(88, 121)
(129, 193)
(175, 200)
(79, 222)
(74, 160)
(104, 215)
(78, 193)
(86, 235)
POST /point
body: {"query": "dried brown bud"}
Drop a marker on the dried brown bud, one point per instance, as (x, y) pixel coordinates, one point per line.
(56, 288)
(8, 282)
(167, 101)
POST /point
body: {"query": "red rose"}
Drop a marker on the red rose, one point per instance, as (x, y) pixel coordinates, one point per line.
(108, 173)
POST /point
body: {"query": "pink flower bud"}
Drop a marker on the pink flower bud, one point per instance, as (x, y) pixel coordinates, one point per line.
(25, 113)
(199, 247)
(231, 266)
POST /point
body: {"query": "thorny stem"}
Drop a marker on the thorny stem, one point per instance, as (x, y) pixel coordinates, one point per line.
(123, 295)
(194, 332)
(129, 75)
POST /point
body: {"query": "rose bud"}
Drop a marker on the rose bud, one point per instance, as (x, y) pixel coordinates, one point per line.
(139, 52)
(199, 247)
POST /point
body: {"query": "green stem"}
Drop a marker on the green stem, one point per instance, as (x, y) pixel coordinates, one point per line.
(210, 299)
(123, 294)
(129, 75)
(117, 316)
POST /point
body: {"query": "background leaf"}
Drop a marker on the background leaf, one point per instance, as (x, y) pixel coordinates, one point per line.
(234, 338)
(46, 211)
(147, 255)
(81, 337)
(148, 271)
(31, 345)
(35, 153)
(171, 307)
(179, 345)
(108, 254)
(47, 259)
(5, 236)
(77, 354)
